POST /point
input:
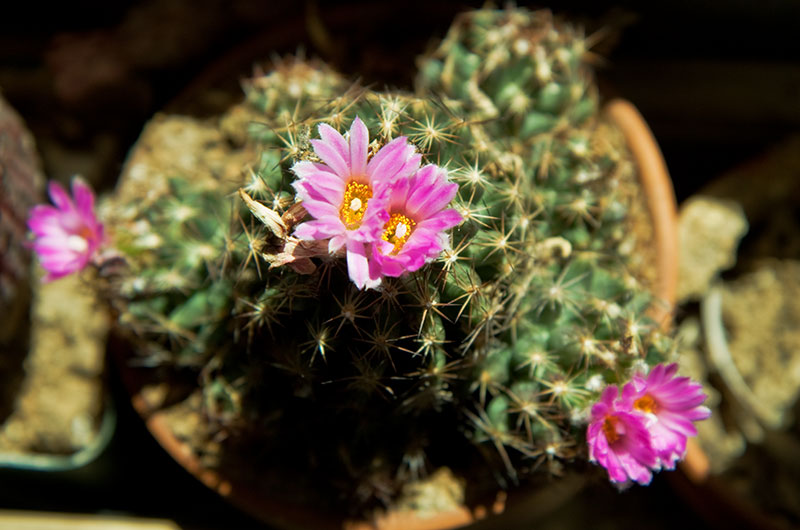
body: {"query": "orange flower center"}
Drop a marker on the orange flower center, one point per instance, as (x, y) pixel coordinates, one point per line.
(85, 232)
(354, 204)
(397, 231)
(610, 429)
(646, 404)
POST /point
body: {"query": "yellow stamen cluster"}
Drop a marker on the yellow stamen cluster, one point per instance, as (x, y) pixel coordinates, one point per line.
(354, 204)
(646, 404)
(397, 231)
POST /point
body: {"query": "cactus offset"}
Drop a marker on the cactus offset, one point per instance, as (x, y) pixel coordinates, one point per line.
(21, 183)
(507, 336)
(521, 69)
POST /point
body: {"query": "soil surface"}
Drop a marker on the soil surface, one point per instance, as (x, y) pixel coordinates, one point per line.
(61, 397)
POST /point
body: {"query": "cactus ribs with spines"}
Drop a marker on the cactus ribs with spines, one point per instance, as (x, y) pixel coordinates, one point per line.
(522, 71)
(501, 342)
(21, 184)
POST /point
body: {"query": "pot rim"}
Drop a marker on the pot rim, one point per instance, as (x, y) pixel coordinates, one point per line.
(660, 199)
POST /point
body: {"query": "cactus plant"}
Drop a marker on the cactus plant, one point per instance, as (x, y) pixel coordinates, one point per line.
(500, 335)
(21, 182)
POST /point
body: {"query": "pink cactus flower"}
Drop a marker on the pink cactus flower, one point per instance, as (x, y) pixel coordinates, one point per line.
(669, 406)
(619, 440)
(414, 232)
(67, 235)
(346, 194)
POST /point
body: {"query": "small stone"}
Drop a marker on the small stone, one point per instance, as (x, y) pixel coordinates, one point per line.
(709, 232)
(440, 492)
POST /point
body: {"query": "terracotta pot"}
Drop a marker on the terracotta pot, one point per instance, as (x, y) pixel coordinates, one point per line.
(660, 198)
(521, 506)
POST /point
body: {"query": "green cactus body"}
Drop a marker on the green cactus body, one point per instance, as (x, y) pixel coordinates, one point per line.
(503, 340)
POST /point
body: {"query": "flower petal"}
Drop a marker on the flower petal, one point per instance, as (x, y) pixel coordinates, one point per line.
(384, 166)
(45, 219)
(332, 157)
(336, 243)
(410, 166)
(318, 229)
(384, 263)
(635, 469)
(358, 266)
(309, 193)
(59, 196)
(427, 198)
(442, 220)
(359, 140)
(335, 140)
(84, 198)
(322, 210)
(306, 170)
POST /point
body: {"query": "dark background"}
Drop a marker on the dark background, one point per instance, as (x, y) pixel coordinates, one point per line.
(717, 80)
